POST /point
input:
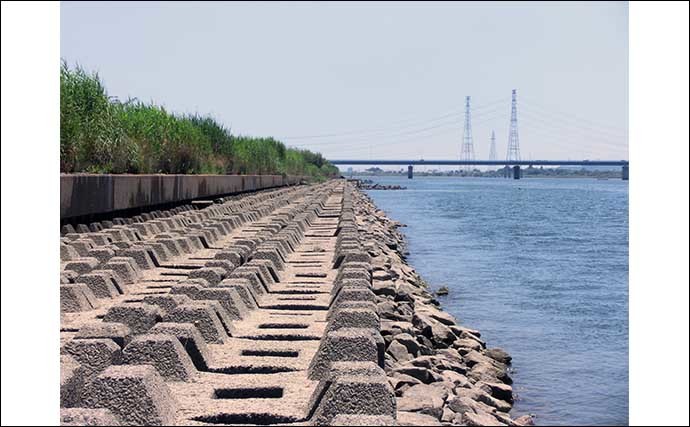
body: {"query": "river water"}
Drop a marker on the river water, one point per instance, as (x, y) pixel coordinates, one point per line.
(540, 267)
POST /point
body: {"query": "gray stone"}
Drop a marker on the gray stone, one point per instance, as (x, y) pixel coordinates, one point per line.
(416, 419)
(480, 419)
(424, 399)
(363, 420)
(499, 355)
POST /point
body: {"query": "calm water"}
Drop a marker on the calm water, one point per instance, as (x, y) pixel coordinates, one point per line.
(540, 267)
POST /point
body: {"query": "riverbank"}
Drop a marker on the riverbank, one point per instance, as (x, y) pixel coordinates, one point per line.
(442, 373)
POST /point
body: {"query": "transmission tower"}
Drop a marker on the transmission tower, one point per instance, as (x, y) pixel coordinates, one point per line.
(467, 152)
(513, 140)
(492, 150)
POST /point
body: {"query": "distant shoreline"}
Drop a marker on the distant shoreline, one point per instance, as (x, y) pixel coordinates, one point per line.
(606, 176)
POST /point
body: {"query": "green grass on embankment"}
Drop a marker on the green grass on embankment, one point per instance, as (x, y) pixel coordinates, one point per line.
(99, 134)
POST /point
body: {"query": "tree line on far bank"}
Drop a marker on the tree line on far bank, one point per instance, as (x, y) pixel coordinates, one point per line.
(99, 134)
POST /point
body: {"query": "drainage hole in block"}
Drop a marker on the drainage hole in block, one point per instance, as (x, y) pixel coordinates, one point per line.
(270, 353)
(249, 393)
(240, 370)
(283, 326)
(246, 418)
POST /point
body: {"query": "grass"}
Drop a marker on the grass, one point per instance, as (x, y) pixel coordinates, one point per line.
(99, 134)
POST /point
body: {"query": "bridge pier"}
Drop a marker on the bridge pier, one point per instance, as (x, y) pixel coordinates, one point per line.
(624, 173)
(409, 172)
(516, 172)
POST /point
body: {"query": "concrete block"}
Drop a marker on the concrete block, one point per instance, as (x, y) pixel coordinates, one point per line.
(123, 270)
(352, 304)
(118, 332)
(82, 245)
(203, 317)
(191, 339)
(82, 265)
(139, 317)
(87, 417)
(352, 293)
(67, 229)
(68, 252)
(244, 289)
(102, 254)
(171, 245)
(355, 389)
(354, 318)
(102, 283)
(162, 351)
(228, 298)
(76, 297)
(346, 344)
(267, 272)
(162, 254)
(250, 275)
(272, 255)
(136, 395)
(227, 266)
(190, 289)
(168, 302)
(233, 256)
(213, 275)
(71, 381)
(94, 355)
(140, 256)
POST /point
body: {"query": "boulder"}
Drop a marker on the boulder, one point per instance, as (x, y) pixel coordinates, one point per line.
(399, 352)
(416, 419)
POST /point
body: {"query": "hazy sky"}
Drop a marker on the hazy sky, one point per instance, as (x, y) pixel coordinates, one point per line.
(373, 80)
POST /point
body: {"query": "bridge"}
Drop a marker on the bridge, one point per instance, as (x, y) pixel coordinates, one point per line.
(514, 164)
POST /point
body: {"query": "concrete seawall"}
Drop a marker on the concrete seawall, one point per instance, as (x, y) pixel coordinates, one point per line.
(91, 194)
(287, 306)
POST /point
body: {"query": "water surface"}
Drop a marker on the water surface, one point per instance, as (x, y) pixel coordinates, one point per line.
(540, 267)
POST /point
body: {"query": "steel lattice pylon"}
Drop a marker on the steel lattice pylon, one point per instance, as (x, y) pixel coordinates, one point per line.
(492, 149)
(513, 140)
(467, 151)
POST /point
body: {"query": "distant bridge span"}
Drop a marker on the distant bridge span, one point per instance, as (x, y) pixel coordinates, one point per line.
(515, 164)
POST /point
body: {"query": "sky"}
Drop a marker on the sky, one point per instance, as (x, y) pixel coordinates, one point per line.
(373, 80)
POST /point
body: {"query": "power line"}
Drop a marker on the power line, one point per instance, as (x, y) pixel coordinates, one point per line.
(570, 117)
(410, 123)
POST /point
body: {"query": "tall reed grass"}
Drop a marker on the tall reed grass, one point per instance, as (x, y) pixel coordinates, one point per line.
(100, 134)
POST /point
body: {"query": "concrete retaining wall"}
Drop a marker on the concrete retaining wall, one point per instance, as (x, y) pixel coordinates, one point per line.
(87, 194)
